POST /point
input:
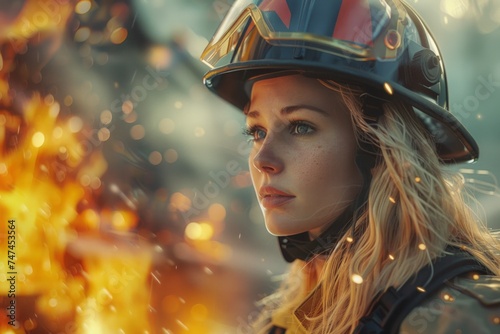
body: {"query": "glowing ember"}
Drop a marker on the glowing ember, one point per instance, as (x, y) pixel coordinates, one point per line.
(357, 279)
(447, 297)
(388, 88)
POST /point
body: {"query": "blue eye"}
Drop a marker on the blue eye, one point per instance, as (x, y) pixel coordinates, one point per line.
(300, 128)
(256, 133)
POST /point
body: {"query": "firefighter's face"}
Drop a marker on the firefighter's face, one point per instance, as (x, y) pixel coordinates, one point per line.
(302, 162)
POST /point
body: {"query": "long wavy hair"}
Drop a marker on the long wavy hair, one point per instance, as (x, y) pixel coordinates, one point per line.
(415, 209)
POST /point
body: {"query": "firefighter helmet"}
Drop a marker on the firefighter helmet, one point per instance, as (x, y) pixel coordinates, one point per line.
(382, 46)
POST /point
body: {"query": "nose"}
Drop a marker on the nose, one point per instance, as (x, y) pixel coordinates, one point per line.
(267, 158)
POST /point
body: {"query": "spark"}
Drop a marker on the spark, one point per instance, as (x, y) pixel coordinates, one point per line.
(357, 279)
(418, 179)
(114, 188)
(133, 21)
(447, 297)
(133, 76)
(156, 278)
(392, 200)
(180, 323)
(422, 247)
(419, 288)
(349, 239)
(391, 257)
(388, 88)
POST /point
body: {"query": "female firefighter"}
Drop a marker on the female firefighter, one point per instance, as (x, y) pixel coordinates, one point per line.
(346, 104)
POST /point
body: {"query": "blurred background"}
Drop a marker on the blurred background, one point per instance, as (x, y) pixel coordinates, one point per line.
(127, 180)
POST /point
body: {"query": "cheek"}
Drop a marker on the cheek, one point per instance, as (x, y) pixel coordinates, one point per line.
(317, 166)
(327, 162)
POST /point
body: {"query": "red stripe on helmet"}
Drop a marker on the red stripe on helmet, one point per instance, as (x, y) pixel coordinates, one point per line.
(354, 22)
(280, 7)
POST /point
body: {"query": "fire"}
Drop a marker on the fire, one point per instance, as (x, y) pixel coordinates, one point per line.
(80, 267)
(117, 298)
(41, 188)
(70, 275)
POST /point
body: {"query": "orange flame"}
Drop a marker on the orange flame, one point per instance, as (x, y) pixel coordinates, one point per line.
(40, 188)
(46, 171)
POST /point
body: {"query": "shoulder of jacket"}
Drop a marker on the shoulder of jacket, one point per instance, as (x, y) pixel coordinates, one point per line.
(467, 304)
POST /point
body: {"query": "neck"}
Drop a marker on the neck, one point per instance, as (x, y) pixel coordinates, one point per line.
(314, 268)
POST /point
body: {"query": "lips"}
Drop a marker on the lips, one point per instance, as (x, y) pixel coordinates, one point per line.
(271, 197)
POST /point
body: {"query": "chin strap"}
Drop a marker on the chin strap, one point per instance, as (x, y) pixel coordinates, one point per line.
(300, 246)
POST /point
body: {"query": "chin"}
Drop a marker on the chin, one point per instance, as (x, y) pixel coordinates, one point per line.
(282, 229)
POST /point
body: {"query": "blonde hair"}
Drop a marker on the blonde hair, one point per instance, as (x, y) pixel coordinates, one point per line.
(414, 210)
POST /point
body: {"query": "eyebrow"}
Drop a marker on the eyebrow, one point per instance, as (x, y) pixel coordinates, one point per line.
(287, 110)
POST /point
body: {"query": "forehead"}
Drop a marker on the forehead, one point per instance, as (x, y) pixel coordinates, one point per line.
(278, 92)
